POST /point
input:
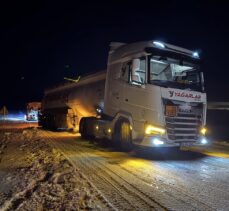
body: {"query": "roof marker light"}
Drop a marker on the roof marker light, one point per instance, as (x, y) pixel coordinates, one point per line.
(195, 54)
(159, 44)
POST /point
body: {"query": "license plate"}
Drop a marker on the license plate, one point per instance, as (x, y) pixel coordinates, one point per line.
(186, 144)
(171, 111)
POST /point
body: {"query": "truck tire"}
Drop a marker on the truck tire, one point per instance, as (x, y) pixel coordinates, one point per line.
(86, 127)
(83, 128)
(122, 136)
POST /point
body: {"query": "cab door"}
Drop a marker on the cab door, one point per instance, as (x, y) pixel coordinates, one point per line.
(135, 89)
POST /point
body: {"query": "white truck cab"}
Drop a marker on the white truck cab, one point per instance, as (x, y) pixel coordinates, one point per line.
(158, 89)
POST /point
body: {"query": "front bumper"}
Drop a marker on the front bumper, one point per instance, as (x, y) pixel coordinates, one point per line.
(152, 141)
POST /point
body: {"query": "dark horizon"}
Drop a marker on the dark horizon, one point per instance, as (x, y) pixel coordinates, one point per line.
(41, 43)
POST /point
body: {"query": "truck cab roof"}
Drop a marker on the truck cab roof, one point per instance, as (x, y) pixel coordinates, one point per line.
(120, 50)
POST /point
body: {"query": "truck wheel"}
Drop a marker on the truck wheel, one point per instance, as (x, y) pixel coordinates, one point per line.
(125, 137)
(82, 128)
(86, 127)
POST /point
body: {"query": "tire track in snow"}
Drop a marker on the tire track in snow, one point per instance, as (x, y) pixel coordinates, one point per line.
(183, 199)
(127, 194)
(3, 145)
(178, 197)
(100, 195)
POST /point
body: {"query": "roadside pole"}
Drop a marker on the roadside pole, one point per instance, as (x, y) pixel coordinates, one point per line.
(4, 112)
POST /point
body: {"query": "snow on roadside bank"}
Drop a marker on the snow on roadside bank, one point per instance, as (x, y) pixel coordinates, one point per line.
(33, 176)
(222, 143)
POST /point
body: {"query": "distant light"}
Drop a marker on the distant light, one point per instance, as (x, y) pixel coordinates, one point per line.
(159, 44)
(157, 141)
(109, 130)
(195, 54)
(204, 141)
(99, 110)
(97, 127)
(67, 66)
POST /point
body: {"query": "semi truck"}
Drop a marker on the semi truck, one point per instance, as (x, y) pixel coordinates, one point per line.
(32, 111)
(152, 94)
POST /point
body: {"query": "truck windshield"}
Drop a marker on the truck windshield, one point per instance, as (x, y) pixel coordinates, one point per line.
(168, 72)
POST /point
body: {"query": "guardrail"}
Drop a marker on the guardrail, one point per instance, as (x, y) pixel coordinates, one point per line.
(218, 105)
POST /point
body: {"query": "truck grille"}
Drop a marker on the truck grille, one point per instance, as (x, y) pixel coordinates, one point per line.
(184, 126)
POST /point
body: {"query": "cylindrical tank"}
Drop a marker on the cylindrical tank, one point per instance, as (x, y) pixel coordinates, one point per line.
(65, 105)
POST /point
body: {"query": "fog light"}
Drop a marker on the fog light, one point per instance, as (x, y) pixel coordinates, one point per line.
(150, 129)
(203, 141)
(157, 141)
(99, 110)
(203, 131)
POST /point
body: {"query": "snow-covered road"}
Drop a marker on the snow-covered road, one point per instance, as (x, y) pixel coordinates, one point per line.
(44, 170)
(35, 176)
(147, 179)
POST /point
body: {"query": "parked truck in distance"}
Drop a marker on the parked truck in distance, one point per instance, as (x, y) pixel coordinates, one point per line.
(32, 111)
(152, 94)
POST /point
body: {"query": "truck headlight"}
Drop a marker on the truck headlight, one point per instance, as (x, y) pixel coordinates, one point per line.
(157, 142)
(203, 141)
(150, 129)
(203, 131)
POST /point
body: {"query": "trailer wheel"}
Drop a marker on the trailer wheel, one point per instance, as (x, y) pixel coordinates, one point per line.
(83, 128)
(124, 136)
(86, 127)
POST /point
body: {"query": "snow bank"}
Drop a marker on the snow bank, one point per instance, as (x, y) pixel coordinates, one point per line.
(41, 178)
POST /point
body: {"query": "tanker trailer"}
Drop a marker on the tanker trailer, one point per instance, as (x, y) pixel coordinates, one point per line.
(63, 106)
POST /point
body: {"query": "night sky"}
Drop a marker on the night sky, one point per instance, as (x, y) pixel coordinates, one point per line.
(42, 42)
